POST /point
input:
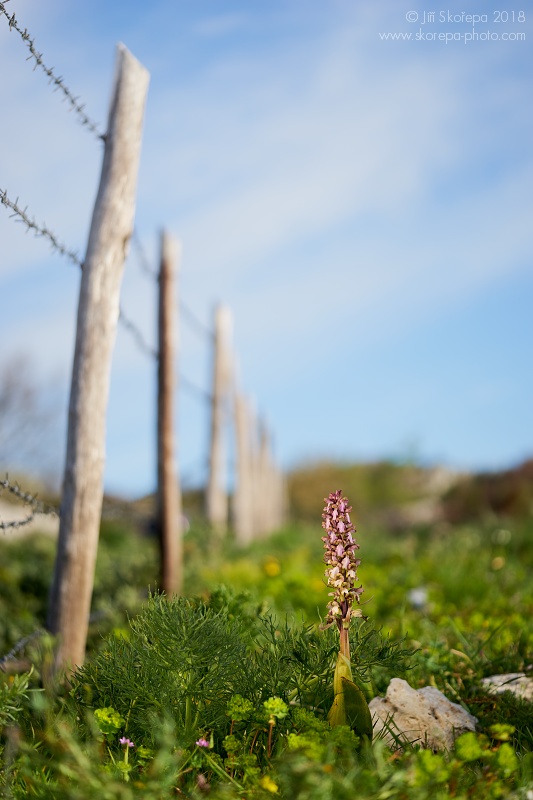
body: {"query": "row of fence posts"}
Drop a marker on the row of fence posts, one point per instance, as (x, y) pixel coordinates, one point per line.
(258, 502)
(258, 495)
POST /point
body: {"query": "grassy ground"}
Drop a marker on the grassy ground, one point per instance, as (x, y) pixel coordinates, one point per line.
(460, 596)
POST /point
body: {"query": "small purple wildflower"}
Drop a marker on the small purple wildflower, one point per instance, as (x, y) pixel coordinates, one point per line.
(126, 742)
(202, 743)
(341, 572)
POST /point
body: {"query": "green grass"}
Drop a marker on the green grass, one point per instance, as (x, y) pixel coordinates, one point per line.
(477, 621)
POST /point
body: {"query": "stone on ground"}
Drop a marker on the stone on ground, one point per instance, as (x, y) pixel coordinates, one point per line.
(421, 716)
(516, 682)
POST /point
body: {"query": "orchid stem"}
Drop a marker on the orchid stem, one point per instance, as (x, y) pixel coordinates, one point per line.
(345, 642)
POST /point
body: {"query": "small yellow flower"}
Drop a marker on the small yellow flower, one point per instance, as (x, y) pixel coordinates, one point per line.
(272, 567)
(268, 784)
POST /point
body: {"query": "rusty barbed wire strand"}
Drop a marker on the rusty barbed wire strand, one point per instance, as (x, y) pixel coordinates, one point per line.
(54, 79)
(187, 384)
(198, 326)
(130, 326)
(43, 230)
(20, 645)
(188, 315)
(39, 230)
(16, 523)
(62, 249)
(37, 506)
(193, 389)
(135, 332)
(142, 258)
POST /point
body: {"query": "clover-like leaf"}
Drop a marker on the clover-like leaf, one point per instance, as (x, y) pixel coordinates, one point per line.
(108, 720)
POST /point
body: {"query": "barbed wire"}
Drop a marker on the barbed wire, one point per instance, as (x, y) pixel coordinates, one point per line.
(40, 230)
(130, 326)
(187, 384)
(21, 215)
(37, 506)
(54, 79)
(198, 326)
(20, 645)
(143, 259)
(188, 315)
(192, 388)
(16, 523)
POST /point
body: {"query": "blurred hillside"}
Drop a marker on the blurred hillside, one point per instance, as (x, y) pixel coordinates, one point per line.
(384, 494)
(399, 496)
(499, 494)
(394, 496)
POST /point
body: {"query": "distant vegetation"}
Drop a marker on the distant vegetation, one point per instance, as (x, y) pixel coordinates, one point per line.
(391, 493)
(492, 495)
(376, 488)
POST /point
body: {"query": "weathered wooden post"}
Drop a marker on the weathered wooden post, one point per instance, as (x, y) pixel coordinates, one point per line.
(283, 489)
(278, 498)
(276, 492)
(270, 513)
(255, 466)
(98, 309)
(243, 500)
(216, 494)
(168, 488)
(264, 483)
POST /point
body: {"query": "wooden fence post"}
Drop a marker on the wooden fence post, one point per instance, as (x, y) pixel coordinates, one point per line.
(216, 494)
(283, 499)
(168, 489)
(264, 493)
(98, 310)
(255, 466)
(269, 491)
(278, 498)
(276, 492)
(243, 498)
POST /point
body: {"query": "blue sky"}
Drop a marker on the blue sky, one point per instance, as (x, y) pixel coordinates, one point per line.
(363, 206)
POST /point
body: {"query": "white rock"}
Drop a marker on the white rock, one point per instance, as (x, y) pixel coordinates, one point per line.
(516, 682)
(424, 716)
(418, 597)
